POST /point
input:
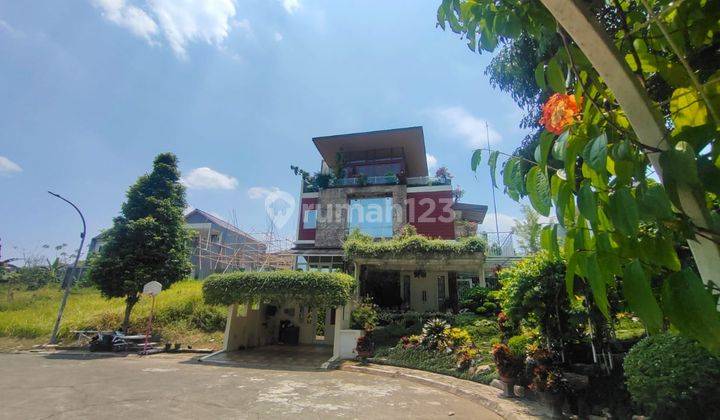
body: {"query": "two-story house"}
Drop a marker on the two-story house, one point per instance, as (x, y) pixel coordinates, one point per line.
(377, 182)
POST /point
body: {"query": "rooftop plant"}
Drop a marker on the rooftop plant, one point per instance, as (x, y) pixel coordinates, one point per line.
(308, 288)
(363, 246)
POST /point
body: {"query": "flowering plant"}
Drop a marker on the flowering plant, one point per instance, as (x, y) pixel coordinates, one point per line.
(560, 111)
(443, 173)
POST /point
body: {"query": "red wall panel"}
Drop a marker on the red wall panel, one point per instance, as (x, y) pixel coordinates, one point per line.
(306, 204)
(431, 213)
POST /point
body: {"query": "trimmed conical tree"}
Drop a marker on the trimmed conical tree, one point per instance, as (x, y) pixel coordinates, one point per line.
(148, 241)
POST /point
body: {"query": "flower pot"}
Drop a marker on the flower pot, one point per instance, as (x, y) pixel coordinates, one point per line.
(553, 401)
(507, 388)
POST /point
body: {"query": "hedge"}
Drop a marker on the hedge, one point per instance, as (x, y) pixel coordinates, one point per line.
(313, 289)
(417, 245)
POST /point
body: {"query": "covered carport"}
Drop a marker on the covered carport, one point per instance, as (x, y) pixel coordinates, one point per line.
(273, 316)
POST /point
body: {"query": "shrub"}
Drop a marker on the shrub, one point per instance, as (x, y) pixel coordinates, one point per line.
(364, 317)
(669, 376)
(474, 298)
(487, 308)
(388, 335)
(534, 294)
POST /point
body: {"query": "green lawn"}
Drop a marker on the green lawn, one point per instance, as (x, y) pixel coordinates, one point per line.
(27, 317)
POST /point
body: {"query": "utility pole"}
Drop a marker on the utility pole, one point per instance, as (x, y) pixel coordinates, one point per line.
(492, 187)
(68, 286)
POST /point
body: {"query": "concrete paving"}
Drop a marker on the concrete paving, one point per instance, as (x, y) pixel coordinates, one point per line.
(70, 386)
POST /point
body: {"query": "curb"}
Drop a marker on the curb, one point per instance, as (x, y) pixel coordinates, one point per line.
(484, 395)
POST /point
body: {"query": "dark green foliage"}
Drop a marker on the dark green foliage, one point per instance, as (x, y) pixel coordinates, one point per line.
(672, 377)
(474, 298)
(389, 335)
(313, 289)
(358, 246)
(148, 241)
(533, 294)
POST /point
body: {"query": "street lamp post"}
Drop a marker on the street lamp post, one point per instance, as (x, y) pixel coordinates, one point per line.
(53, 338)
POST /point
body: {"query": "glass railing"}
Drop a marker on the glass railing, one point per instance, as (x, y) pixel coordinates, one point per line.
(419, 181)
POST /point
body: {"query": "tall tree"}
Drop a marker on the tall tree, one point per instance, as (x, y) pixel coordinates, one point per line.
(528, 230)
(148, 241)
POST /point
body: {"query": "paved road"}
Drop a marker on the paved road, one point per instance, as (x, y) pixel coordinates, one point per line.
(64, 386)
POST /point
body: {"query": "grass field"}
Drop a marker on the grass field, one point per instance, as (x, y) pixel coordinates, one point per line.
(27, 317)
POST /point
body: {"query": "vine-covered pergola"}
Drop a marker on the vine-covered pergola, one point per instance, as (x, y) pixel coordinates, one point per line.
(312, 289)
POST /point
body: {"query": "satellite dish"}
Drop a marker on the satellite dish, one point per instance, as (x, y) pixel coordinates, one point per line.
(152, 288)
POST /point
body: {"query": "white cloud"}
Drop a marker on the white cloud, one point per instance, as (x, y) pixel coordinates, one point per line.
(208, 179)
(181, 22)
(291, 5)
(6, 27)
(505, 223)
(7, 166)
(462, 124)
(431, 160)
(278, 36)
(128, 16)
(256, 193)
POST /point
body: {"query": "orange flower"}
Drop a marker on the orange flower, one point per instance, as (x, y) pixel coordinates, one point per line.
(559, 111)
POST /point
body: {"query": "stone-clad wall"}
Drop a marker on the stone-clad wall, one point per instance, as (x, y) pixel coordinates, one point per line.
(333, 211)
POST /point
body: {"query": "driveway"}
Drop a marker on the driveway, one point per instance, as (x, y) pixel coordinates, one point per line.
(63, 385)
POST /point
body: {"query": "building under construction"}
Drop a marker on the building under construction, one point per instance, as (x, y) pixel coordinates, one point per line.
(219, 247)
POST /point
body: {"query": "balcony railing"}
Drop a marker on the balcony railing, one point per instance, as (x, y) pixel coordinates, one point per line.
(504, 246)
(419, 181)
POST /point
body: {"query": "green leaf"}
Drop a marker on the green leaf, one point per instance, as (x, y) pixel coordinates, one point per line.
(654, 201)
(560, 147)
(538, 188)
(587, 203)
(564, 198)
(595, 153)
(546, 141)
(492, 162)
(476, 159)
(570, 275)
(540, 76)
(692, 309)
(687, 108)
(554, 76)
(639, 296)
(623, 211)
(512, 178)
(598, 283)
(551, 242)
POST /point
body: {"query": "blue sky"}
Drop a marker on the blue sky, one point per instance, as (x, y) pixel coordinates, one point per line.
(92, 90)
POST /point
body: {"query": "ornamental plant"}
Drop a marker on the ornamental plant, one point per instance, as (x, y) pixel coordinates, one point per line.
(405, 245)
(148, 240)
(603, 167)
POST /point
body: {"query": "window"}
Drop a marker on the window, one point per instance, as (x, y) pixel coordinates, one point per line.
(373, 216)
(309, 219)
(325, 264)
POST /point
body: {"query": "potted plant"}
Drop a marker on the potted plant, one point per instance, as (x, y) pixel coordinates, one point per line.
(322, 180)
(443, 175)
(391, 178)
(547, 381)
(508, 366)
(364, 347)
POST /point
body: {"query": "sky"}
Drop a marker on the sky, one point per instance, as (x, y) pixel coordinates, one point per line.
(92, 90)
